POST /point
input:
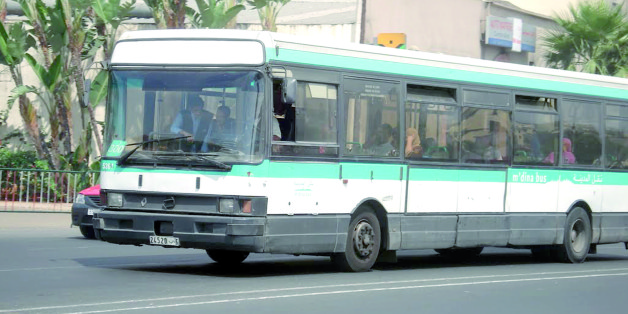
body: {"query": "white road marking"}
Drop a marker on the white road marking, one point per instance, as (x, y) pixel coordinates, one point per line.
(346, 292)
(177, 263)
(61, 248)
(472, 282)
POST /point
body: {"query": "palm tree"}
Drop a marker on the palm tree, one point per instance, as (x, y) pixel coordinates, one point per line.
(593, 39)
(13, 46)
(214, 13)
(268, 11)
(168, 13)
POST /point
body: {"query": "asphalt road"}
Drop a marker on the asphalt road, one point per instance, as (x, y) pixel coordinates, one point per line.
(47, 267)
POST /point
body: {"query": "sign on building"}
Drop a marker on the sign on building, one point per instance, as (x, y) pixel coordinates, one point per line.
(510, 33)
(392, 40)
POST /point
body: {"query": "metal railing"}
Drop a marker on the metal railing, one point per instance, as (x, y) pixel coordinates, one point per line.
(34, 189)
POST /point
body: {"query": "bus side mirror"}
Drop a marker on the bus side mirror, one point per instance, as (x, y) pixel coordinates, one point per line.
(289, 90)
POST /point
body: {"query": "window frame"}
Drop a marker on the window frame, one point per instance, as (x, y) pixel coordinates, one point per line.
(308, 144)
(605, 119)
(344, 114)
(601, 122)
(516, 110)
(456, 105)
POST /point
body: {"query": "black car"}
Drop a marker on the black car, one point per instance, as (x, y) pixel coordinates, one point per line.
(85, 204)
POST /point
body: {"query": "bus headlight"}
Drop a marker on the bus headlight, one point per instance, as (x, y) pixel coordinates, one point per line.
(114, 199)
(228, 206)
(254, 206)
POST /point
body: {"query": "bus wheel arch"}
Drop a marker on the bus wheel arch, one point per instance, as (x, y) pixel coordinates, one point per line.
(365, 238)
(584, 205)
(577, 234)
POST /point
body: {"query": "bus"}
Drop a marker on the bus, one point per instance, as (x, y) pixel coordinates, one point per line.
(239, 142)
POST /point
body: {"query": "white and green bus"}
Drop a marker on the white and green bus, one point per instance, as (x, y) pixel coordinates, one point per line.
(237, 142)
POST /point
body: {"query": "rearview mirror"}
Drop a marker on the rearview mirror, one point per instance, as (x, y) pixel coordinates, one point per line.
(289, 90)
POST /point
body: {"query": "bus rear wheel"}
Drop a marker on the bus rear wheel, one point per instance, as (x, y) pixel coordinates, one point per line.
(226, 257)
(363, 243)
(577, 237)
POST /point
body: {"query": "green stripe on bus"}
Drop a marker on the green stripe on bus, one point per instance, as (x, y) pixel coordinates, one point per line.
(332, 171)
(303, 170)
(376, 171)
(353, 63)
(615, 178)
(321, 170)
(533, 175)
(575, 177)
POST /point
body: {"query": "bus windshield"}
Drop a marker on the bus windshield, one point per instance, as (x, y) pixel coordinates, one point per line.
(186, 118)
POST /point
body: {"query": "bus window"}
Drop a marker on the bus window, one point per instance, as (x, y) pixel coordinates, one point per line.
(316, 113)
(581, 127)
(616, 144)
(535, 103)
(485, 135)
(431, 123)
(485, 98)
(372, 118)
(616, 111)
(308, 128)
(535, 138)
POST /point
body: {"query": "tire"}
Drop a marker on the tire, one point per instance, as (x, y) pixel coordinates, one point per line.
(363, 243)
(226, 257)
(461, 253)
(577, 237)
(88, 232)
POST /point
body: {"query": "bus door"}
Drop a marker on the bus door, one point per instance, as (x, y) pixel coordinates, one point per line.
(431, 150)
(304, 170)
(533, 184)
(485, 155)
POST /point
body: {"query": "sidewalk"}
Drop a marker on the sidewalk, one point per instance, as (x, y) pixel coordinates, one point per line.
(9, 206)
(23, 220)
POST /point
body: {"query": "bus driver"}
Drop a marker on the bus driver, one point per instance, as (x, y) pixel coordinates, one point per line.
(194, 123)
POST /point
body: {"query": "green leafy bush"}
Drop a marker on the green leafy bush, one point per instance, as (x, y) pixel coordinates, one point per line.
(21, 160)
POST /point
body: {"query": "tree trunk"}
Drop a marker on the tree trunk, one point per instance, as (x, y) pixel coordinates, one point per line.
(65, 117)
(29, 116)
(54, 140)
(77, 73)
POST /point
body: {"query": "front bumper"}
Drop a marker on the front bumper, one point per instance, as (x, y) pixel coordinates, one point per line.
(81, 214)
(194, 231)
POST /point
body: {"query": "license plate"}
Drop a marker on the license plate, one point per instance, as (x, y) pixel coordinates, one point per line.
(90, 212)
(165, 241)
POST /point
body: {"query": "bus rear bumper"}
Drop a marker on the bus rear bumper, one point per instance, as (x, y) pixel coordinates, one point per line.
(192, 231)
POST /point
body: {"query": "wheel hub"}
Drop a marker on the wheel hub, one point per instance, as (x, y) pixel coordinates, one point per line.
(578, 241)
(363, 239)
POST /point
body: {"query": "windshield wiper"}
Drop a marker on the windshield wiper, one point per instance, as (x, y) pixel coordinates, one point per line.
(213, 162)
(128, 154)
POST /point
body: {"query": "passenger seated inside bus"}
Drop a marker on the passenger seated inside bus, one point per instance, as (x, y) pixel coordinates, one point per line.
(413, 149)
(381, 143)
(221, 131)
(568, 156)
(193, 122)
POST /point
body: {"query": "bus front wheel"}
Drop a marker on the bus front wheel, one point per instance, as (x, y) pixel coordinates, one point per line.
(226, 257)
(577, 237)
(363, 243)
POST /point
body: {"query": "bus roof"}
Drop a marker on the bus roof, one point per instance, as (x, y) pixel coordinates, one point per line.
(361, 57)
